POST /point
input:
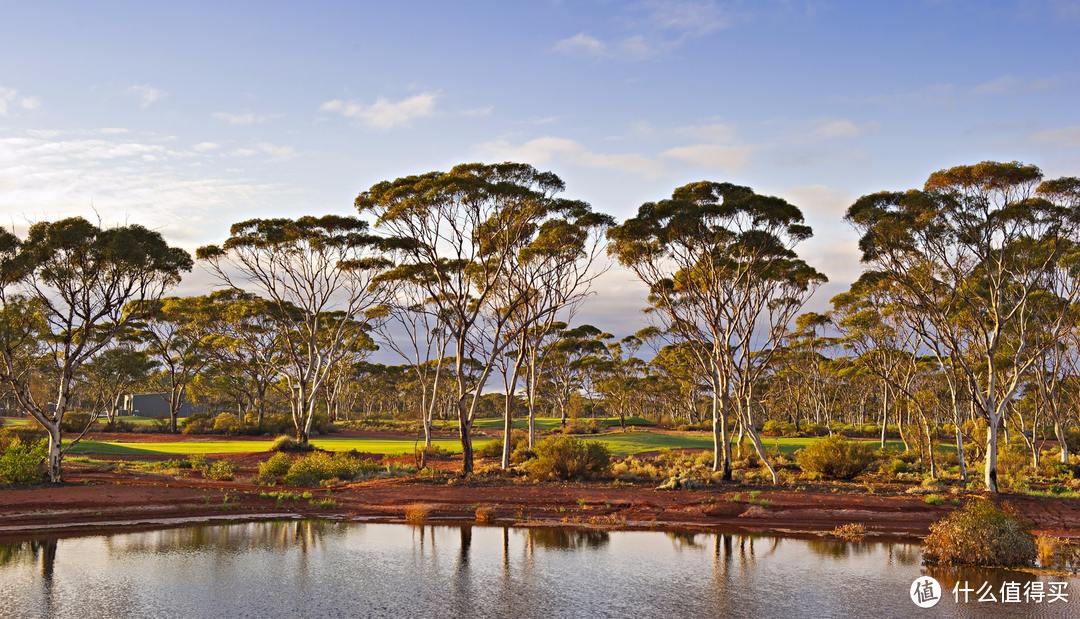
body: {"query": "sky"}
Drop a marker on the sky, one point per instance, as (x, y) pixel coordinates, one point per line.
(189, 116)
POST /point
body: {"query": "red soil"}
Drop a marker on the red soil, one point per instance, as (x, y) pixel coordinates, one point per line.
(92, 501)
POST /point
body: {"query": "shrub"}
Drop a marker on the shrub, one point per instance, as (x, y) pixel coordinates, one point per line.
(774, 427)
(20, 462)
(320, 466)
(979, 533)
(26, 434)
(75, 422)
(590, 426)
(220, 470)
(485, 514)
(274, 468)
(289, 444)
(851, 532)
(518, 438)
(564, 457)
(227, 423)
(834, 457)
(417, 513)
(435, 452)
(933, 499)
(198, 424)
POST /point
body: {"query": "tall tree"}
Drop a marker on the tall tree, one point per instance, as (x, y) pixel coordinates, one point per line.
(81, 278)
(970, 253)
(319, 274)
(719, 262)
(466, 236)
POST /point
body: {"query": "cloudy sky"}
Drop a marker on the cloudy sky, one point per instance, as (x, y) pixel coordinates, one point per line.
(188, 116)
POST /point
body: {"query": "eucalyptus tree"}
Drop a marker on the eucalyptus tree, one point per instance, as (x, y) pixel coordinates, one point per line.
(177, 333)
(466, 235)
(723, 276)
(246, 341)
(78, 279)
(983, 253)
(565, 360)
(114, 372)
(319, 274)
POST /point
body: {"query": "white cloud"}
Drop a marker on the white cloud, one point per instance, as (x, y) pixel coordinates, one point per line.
(206, 147)
(550, 149)
(384, 114)
(123, 178)
(479, 112)
(581, 43)
(274, 151)
(244, 118)
(10, 101)
(147, 94)
(840, 128)
(687, 18)
(709, 132)
(1061, 136)
(112, 130)
(1010, 84)
(718, 156)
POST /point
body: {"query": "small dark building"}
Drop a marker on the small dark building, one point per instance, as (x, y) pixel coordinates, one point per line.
(155, 405)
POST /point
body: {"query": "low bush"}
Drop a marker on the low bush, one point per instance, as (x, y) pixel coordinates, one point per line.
(435, 452)
(564, 457)
(198, 424)
(21, 463)
(485, 514)
(274, 468)
(850, 532)
(493, 450)
(289, 444)
(979, 533)
(834, 457)
(75, 422)
(417, 513)
(578, 426)
(321, 466)
(220, 470)
(26, 434)
(775, 427)
(227, 423)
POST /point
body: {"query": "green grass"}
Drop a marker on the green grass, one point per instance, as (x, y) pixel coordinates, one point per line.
(542, 423)
(189, 447)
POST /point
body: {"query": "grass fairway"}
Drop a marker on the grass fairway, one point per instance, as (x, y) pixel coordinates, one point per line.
(629, 443)
(190, 447)
(544, 424)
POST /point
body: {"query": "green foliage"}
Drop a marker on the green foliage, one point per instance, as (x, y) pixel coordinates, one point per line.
(565, 457)
(834, 457)
(220, 470)
(227, 423)
(934, 499)
(979, 533)
(20, 463)
(288, 444)
(274, 468)
(493, 450)
(775, 427)
(582, 426)
(198, 424)
(75, 422)
(320, 466)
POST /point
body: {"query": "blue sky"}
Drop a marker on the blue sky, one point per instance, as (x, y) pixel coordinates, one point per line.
(189, 116)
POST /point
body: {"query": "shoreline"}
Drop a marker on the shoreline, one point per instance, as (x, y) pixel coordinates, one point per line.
(101, 503)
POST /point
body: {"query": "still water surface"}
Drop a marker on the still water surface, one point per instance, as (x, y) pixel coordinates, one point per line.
(337, 569)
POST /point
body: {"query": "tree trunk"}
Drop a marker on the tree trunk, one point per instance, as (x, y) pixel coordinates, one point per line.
(721, 446)
(884, 412)
(55, 455)
(1059, 434)
(990, 476)
(508, 426)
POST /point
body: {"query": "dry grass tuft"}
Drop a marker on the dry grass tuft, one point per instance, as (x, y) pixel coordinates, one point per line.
(850, 532)
(485, 514)
(417, 513)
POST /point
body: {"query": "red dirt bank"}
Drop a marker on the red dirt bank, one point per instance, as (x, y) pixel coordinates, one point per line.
(99, 501)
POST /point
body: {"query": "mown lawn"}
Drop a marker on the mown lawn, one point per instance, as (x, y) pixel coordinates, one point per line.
(542, 423)
(225, 446)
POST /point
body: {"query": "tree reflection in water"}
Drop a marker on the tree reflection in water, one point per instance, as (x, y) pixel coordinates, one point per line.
(555, 538)
(303, 535)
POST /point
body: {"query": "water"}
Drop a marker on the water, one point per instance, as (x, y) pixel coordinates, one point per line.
(336, 569)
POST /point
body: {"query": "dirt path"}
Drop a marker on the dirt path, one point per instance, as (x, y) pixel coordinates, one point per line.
(97, 501)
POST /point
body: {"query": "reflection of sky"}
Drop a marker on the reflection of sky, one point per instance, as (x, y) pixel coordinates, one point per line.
(317, 569)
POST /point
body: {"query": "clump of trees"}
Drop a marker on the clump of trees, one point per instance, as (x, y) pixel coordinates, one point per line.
(963, 328)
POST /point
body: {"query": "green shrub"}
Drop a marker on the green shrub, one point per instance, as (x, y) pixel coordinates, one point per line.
(494, 448)
(220, 470)
(834, 457)
(435, 452)
(274, 468)
(578, 426)
(227, 423)
(565, 457)
(775, 427)
(198, 424)
(979, 533)
(75, 422)
(26, 434)
(289, 444)
(20, 463)
(320, 466)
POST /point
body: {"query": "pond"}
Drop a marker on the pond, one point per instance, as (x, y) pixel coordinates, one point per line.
(319, 568)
